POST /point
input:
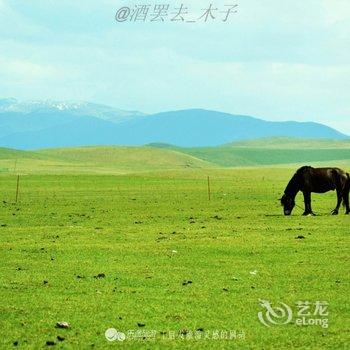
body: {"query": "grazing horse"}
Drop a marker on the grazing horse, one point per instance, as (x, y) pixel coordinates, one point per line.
(317, 180)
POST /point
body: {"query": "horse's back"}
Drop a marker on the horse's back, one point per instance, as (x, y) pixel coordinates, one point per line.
(328, 179)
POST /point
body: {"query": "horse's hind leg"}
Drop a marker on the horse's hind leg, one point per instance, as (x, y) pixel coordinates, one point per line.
(339, 200)
(346, 202)
(346, 191)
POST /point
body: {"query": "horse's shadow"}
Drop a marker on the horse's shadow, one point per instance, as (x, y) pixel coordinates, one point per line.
(301, 216)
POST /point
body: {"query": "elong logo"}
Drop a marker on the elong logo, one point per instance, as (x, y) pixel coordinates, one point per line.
(306, 315)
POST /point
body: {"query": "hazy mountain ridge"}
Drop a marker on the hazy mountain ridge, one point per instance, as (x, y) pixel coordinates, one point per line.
(45, 124)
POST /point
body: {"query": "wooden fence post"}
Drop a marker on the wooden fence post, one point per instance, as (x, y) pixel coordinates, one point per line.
(209, 191)
(17, 188)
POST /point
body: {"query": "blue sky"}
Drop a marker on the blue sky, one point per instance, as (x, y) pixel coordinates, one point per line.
(278, 60)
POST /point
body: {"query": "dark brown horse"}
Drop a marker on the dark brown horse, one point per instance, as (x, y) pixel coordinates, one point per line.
(318, 180)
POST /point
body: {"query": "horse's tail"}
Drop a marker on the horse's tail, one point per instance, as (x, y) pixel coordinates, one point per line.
(346, 190)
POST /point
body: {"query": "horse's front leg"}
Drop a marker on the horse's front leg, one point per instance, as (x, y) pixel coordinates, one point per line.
(339, 200)
(307, 201)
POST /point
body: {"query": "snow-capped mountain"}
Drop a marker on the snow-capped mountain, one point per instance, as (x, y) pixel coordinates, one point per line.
(75, 108)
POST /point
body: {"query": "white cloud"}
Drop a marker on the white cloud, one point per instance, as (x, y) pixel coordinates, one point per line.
(23, 70)
(336, 11)
(277, 59)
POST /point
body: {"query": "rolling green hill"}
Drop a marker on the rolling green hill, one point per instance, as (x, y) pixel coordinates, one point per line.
(291, 143)
(8, 153)
(271, 151)
(245, 156)
(117, 160)
(158, 157)
(11, 158)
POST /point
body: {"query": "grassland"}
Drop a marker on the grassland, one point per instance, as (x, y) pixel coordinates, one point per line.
(152, 233)
(272, 151)
(292, 143)
(156, 157)
(126, 238)
(99, 160)
(241, 156)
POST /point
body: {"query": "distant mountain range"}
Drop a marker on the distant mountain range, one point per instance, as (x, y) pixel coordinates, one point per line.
(46, 124)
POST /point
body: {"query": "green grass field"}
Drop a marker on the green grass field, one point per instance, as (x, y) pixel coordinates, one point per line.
(126, 238)
(152, 233)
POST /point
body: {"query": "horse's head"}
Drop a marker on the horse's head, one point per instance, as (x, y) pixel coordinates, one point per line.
(288, 204)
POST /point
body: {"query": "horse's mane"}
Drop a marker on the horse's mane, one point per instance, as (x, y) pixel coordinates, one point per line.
(303, 168)
(293, 185)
